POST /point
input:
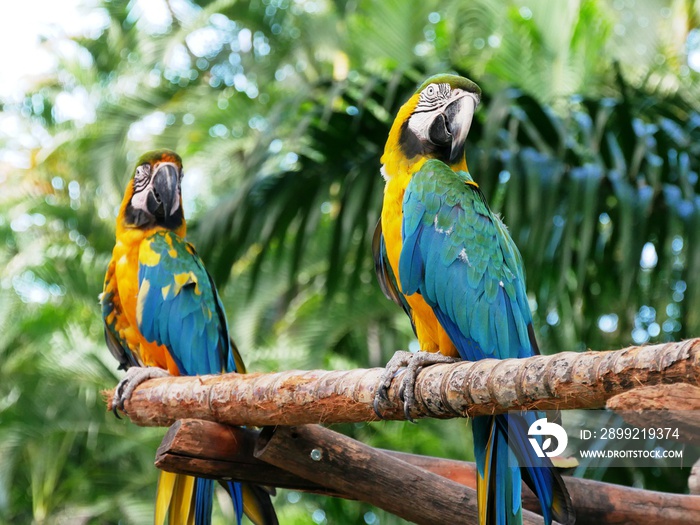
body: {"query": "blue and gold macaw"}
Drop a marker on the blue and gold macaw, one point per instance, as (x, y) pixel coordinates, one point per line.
(449, 262)
(163, 315)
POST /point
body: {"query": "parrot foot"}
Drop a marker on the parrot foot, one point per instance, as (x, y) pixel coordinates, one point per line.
(133, 378)
(414, 362)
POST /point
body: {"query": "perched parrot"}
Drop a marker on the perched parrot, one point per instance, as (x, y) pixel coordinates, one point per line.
(449, 262)
(163, 315)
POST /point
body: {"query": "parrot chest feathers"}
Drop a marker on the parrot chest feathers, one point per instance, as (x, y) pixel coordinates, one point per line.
(127, 292)
(431, 336)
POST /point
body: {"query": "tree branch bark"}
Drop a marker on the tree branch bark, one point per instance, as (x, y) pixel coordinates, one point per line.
(674, 406)
(213, 450)
(566, 380)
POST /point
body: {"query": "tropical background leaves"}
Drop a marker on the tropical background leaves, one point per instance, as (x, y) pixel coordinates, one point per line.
(586, 142)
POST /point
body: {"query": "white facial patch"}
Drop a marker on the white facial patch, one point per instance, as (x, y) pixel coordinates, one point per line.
(140, 199)
(142, 186)
(141, 177)
(419, 124)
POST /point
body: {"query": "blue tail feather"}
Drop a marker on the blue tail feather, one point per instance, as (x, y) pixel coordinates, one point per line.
(236, 492)
(538, 473)
(204, 499)
(500, 473)
(504, 457)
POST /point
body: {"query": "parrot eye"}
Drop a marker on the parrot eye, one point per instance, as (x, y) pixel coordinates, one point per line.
(141, 177)
(432, 96)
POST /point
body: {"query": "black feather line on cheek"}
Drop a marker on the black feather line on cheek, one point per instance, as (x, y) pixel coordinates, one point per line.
(138, 218)
(409, 142)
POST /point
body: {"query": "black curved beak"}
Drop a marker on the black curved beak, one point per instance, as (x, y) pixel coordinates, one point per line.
(450, 125)
(458, 116)
(166, 190)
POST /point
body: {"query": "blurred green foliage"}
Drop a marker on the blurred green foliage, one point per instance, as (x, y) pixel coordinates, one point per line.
(586, 142)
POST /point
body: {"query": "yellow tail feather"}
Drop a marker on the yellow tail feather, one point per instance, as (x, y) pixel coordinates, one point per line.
(174, 498)
(164, 494)
(482, 484)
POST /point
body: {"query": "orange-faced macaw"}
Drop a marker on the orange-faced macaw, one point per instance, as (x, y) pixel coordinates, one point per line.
(163, 315)
(449, 262)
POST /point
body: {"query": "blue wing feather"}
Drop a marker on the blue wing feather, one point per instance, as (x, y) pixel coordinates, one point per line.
(412, 275)
(181, 307)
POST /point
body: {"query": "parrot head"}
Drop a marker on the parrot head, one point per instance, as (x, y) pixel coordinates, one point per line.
(153, 196)
(435, 121)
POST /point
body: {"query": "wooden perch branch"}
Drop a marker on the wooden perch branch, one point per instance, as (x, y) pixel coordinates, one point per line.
(214, 450)
(562, 381)
(676, 406)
